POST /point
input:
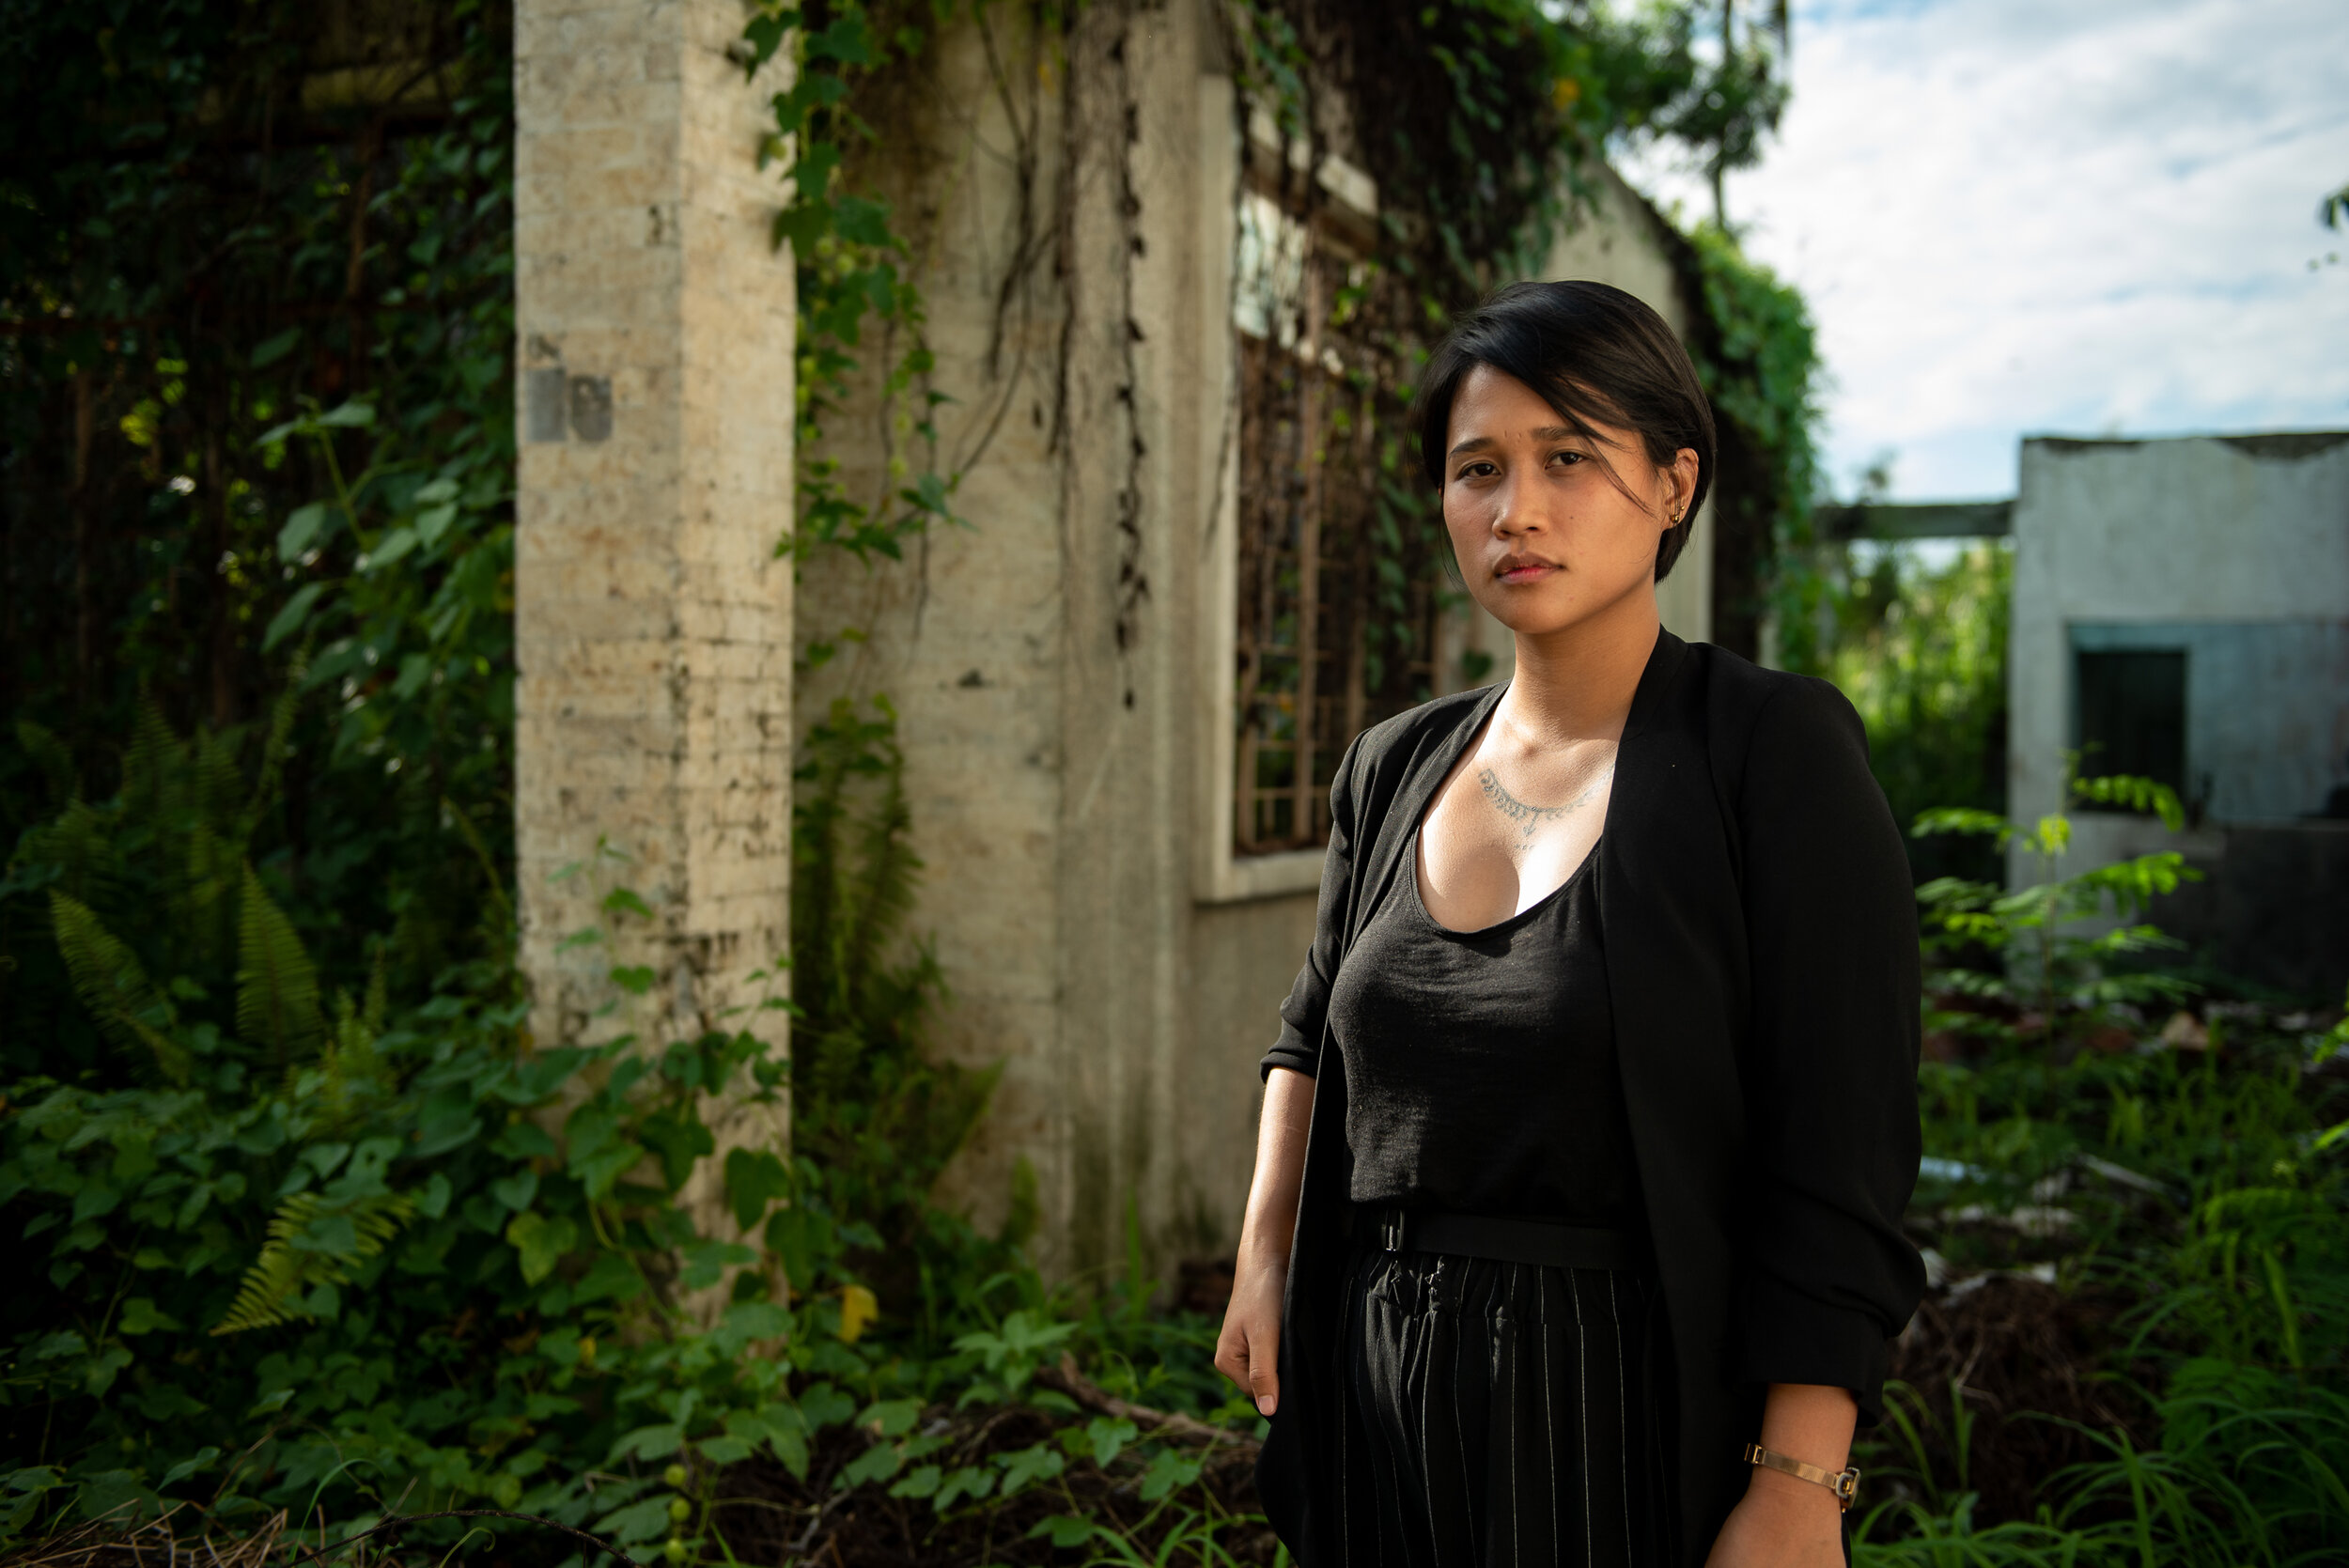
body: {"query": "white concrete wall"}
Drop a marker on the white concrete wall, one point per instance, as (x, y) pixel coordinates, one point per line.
(2239, 543)
(652, 623)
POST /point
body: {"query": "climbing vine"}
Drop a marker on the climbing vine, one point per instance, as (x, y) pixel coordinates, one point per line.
(852, 263)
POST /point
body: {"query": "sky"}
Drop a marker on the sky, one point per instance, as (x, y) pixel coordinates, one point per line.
(2074, 217)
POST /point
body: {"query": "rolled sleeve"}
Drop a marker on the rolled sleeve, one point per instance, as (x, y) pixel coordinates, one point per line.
(1826, 1273)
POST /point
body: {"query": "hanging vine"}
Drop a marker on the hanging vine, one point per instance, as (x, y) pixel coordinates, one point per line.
(851, 264)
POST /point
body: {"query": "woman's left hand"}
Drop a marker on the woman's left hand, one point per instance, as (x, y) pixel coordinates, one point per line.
(1780, 1523)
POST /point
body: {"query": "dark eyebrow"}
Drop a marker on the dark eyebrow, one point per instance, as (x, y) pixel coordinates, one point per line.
(1481, 444)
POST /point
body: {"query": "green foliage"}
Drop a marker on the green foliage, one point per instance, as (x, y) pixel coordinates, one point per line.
(852, 265)
(1921, 651)
(365, 1218)
(2071, 981)
(311, 1245)
(2189, 1179)
(255, 455)
(1475, 117)
(869, 1104)
(1736, 100)
(109, 979)
(277, 989)
(2194, 1186)
(410, 1257)
(1758, 357)
(541, 1276)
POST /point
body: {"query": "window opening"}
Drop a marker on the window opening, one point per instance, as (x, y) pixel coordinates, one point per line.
(2131, 714)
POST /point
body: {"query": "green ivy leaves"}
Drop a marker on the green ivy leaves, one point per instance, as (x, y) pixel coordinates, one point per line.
(848, 255)
(541, 1242)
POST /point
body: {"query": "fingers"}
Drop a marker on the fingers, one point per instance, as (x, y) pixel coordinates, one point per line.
(1250, 1357)
(1263, 1371)
(1231, 1355)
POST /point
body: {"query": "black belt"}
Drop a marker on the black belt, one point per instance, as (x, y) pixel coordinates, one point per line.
(1545, 1243)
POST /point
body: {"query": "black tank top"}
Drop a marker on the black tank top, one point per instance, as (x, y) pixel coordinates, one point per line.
(1480, 1065)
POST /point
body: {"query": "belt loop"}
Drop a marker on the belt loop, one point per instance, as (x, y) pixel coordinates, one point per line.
(1391, 1228)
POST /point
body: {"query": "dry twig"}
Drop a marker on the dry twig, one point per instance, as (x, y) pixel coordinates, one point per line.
(1069, 1380)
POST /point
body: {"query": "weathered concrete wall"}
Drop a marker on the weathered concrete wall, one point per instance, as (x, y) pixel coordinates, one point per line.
(2272, 908)
(2233, 550)
(653, 626)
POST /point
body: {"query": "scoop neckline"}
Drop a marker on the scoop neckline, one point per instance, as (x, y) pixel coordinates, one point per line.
(1419, 899)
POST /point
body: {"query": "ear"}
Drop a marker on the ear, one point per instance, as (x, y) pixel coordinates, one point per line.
(1686, 467)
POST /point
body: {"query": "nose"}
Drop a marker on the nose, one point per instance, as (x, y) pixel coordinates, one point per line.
(1516, 510)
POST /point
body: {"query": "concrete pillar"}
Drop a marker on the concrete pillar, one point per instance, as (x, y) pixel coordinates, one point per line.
(652, 621)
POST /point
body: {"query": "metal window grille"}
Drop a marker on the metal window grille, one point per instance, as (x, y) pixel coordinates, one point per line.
(1337, 559)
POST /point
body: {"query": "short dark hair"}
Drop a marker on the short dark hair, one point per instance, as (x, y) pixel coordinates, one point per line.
(1593, 353)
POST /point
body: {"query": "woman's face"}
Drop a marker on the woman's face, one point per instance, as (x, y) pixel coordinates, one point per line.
(1544, 533)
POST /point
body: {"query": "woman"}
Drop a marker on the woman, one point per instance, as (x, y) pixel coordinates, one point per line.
(1575, 1233)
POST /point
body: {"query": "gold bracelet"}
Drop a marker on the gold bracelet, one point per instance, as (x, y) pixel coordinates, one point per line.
(1845, 1483)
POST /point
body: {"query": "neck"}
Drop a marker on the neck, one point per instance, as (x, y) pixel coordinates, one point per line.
(1577, 683)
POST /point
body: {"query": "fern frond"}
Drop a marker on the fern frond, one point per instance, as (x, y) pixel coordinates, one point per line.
(350, 1059)
(50, 755)
(154, 767)
(271, 1290)
(277, 989)
(212, 872)
(216, 786)
(113, 986)
(276, 1274)
(78, 847)
(863, 1090)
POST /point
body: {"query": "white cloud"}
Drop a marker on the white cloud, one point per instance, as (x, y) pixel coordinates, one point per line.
(2084, 216)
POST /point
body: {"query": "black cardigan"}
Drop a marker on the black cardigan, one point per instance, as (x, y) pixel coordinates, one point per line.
(1761, 939)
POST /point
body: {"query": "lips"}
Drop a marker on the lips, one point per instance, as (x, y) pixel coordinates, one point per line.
(1524, 569)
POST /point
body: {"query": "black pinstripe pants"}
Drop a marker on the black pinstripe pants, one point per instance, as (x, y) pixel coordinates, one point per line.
(1500, 1415)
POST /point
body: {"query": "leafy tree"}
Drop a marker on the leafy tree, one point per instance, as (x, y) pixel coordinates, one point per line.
(1735, 98)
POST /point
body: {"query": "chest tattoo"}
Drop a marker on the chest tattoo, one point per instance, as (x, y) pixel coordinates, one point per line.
(1528, 817)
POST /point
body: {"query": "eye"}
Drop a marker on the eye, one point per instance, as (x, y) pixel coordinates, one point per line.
(1569, 458)
(1477, 470)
